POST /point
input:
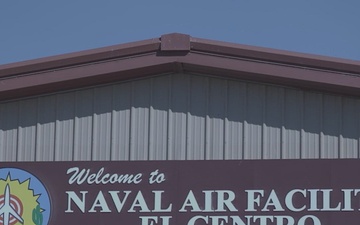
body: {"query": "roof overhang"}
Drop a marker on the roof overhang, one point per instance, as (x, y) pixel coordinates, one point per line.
(173, 53)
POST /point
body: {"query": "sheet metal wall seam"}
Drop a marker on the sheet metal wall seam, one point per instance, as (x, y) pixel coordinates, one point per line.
(264, 129)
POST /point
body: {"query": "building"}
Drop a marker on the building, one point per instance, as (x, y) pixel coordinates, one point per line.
(180, 98)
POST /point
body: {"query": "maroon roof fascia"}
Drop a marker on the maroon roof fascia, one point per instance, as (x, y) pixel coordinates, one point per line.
(174, 53)
(276, 56)
(79, 58)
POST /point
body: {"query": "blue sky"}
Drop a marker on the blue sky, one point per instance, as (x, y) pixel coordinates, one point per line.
(38, 28)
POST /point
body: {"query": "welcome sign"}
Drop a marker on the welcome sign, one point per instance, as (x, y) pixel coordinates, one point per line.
(270, 192)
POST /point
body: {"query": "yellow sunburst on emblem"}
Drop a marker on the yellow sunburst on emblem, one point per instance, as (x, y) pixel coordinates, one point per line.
(22, 201)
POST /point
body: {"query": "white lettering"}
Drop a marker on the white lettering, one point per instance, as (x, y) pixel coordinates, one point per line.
(327, 201)
(156, 177)
(190, 201)
(157, 202)
(208, 201)
(151, 220)
(80, 176)
(238, 221)
(218, 220)
(195, 218)
(263, 219)
(252, 220)
(273, 201)
(100, 202)
(118, 203)
(315, 220)
(252, 200)
(289, 200)
(79, 202)
(313, 200)
(281, 219)
(222, 201)
(148, 220)
(139, 202)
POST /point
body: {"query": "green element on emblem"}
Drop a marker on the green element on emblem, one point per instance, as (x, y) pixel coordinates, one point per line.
(37, 216)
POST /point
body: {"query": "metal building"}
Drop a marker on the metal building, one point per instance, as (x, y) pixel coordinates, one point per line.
(179, 98)
(179, 130)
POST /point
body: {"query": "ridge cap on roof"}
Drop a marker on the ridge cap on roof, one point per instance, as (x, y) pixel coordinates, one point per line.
(275, 55)
(81, 57)
(178, 42)
(176, 53)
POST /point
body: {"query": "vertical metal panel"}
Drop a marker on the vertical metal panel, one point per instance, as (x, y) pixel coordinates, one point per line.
(234, 120)
(65, 123)
(293, 124)
(312, 124)
(331, 117)
(178, 117)
(196, 124)
(120, 126)
(179, 104)
(9, 123)
(215, 119)
(159, 107)
(273, 123)
(139, 139)
(101, 135)
(83, 124)
(27, 130)
(45, 130)
(350, 132)
(253, 136)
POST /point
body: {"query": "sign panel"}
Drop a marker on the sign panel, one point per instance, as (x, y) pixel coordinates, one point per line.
(279, 192)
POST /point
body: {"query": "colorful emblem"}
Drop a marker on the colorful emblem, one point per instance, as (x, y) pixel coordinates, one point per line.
(23, 198)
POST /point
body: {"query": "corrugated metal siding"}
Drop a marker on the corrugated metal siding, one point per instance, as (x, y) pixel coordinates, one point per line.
(180, 117)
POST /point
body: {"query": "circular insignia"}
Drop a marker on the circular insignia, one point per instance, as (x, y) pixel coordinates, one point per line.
(23, 198)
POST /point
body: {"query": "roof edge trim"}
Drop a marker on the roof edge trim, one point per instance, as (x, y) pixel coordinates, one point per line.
(310, 61)
(82, 57)
(173, 53)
